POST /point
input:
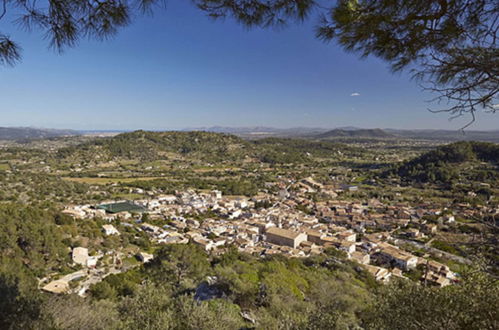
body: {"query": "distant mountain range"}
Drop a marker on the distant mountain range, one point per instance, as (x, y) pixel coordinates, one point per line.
(258, 132)
(353, 133)
(30, 133)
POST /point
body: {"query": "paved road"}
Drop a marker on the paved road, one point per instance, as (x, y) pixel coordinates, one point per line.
(437, 251)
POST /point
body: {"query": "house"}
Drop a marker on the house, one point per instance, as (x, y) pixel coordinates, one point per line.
(430, 229)
(110, 230)
(92, 262)
(219, 241)
(440, 269)
(206, 244)
(80, 256)
(329, 241)
(397, 272)
(167, 199)
(145, 257)
(346, 246)
(314, 236)
(380, 274)
(192, 223)
(285, 237)
(235, 214)
(78, 214)
(307, 244)
(150, 228)
(360, 257)
(413, 233)
(435, 279)
(447, 219)
(310, 182)
(348, 187)
(347, 236)
(217, 194)
(400, 258)
(283, 194)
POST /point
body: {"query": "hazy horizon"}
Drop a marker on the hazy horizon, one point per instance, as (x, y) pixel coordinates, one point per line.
(310, 128)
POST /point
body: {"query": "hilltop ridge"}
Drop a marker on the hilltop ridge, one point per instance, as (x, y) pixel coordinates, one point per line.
(473, 161)
(361, 133)
(147, 145)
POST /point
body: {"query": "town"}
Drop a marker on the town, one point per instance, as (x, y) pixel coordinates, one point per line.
(372, 234)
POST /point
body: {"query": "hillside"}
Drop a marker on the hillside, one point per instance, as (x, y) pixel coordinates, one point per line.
(29, 133)
(472, 161)
(156, 145)
(357, 133)
(200, 146)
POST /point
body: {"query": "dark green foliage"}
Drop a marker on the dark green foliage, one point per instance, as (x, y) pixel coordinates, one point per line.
(63, 219)
(360, 133)
(30, 246)
(284, 151)
(153, 307)
(181, 265)
(240, 187)
(285, 292)
(444, 246)
(226, 186)
(276, 292)
(473, 304)
(74, 312)
(64, 23)
(117, 285)
(30, 234)
(19, 303)
(323, 292)
(156, 145)
(265, 204)
(205, 146)
(103, 290)
(36, 187)
(442, 165)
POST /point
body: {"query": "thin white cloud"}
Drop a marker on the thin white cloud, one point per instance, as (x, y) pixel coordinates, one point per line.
(355, 94)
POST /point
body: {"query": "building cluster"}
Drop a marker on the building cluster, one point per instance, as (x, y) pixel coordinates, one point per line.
(289, 223)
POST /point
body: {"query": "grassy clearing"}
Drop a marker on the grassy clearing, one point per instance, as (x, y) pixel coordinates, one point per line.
(127, 196)
(103, 181)
(4, 167)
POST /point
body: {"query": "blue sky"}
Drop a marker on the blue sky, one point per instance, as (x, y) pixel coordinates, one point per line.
(179, 69)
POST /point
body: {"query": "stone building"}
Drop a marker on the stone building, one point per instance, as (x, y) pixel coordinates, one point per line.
(285, 237)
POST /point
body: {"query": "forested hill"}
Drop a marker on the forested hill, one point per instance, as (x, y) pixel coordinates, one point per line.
(154, 145)
(474, 161)
(357, 133)
(204, 146)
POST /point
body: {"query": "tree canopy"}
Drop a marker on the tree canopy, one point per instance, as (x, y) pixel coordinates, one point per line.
(449, 45)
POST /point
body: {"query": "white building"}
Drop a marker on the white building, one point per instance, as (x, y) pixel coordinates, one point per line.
(110, 230)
